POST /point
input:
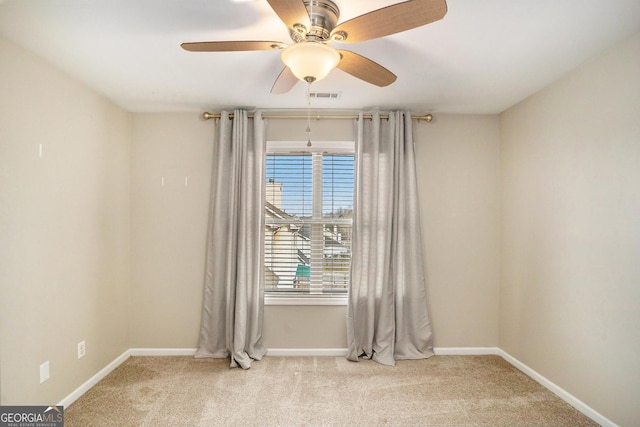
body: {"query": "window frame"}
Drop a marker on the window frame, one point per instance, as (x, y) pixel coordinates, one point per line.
(292, 147)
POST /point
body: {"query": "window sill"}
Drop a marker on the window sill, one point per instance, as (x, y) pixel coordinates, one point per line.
(305, 300)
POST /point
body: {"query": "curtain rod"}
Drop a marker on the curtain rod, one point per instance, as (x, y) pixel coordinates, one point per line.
(206, 115)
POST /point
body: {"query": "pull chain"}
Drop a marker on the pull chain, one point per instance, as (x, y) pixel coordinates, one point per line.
(309, 115)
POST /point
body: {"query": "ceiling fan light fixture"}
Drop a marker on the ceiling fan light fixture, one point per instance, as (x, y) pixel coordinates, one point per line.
(310, 61)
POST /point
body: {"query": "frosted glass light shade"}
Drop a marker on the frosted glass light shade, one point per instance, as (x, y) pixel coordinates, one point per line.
(310, 61)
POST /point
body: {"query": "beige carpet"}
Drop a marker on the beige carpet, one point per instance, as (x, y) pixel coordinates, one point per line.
(442, 390)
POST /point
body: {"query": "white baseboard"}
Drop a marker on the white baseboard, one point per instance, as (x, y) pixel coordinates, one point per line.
(465, 351)
(559, 391)
(94, 380)
(163, 351)
(439, 351)
(307, 352)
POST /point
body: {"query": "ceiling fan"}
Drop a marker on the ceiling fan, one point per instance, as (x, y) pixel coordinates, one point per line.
(313, 24)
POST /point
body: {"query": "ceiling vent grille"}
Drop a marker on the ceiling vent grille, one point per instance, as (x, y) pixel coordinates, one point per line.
(325, 95)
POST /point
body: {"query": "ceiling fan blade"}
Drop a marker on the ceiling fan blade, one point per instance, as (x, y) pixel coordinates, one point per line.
(285, 81)
(292, 12)
(231, 46)
(390, 20)
(365, 69)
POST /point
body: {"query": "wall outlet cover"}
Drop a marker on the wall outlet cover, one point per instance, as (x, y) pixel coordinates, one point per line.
(82, 349)
(44, 372)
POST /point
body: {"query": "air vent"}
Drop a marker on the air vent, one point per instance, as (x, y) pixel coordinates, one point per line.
(325, 95)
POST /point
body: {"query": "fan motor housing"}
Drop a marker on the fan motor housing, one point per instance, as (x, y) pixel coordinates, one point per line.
(324, 16)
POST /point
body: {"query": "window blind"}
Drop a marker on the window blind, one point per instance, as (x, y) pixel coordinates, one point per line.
(308, 218)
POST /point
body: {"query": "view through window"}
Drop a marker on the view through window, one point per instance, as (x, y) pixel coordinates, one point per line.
(308, 218)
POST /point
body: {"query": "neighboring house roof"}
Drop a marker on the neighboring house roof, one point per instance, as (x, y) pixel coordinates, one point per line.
(303, 258)
(333, 246)
(275, 212)
(305, 231)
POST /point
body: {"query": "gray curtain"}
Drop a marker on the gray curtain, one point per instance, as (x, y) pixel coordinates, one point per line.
(232, 312)
(387, 318)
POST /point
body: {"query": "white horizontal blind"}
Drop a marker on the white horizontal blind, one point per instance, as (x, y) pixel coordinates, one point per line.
(308, 217)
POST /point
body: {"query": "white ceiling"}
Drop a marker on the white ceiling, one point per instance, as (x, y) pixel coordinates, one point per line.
(483, 57)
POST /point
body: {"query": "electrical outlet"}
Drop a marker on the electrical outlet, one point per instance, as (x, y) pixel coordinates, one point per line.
(44, 372)
(82, 349)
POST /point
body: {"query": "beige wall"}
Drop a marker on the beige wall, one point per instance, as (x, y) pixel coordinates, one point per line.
(168, 227)
(64, 229)
(458, 178)
(570, 285)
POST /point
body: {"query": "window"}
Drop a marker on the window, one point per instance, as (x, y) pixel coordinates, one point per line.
(308, 218)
